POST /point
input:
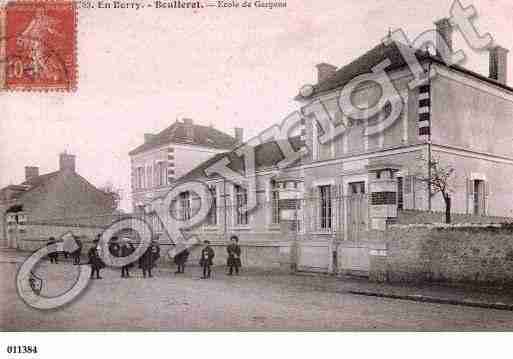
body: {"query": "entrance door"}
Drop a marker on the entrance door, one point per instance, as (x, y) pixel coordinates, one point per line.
(478, 199)
(356, 210)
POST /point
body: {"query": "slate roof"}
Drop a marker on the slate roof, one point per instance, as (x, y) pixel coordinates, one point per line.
(267, 155)
(38, 180)
(364, 63)
(203, 136)
(29, 185)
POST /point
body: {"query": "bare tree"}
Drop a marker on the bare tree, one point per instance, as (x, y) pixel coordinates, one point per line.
(438, 179)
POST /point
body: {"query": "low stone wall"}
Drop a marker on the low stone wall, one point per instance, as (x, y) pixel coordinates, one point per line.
(417, 216)
(452, 254)
(255, 253)
(36, 235)
(266, 256)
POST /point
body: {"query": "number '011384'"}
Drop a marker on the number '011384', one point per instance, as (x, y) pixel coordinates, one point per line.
(22, 349)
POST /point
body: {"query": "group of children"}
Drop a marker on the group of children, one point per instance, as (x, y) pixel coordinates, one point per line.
(123, 249)
(233, 262)
(149, 258)
(76, 254)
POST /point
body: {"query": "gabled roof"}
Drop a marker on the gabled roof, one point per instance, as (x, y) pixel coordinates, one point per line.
(267, 155)
(203, 136)
(29, 185)
(38, 180)
(381, 52)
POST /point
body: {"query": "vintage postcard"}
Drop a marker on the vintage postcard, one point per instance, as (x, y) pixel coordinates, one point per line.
(255, 166)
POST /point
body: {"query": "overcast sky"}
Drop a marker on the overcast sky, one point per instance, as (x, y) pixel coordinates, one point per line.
(140, 70)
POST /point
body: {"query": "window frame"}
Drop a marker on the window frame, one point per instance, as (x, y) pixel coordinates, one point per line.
(275, 203)
(185, 205)
(325, 208)
(212, 217)
(241, 201)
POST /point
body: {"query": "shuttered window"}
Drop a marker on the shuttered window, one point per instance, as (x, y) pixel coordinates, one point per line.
(275, 205)
(212, 215)
(325, 207)
(241, 204)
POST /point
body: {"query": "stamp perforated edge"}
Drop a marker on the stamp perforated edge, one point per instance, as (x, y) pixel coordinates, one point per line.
(72, 87)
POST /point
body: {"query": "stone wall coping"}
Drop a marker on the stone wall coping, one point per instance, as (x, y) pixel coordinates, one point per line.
(453, 214)
(62, 224)
(444, 225)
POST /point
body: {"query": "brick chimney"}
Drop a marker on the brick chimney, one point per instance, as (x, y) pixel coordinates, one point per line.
(31, 172)
(66, 162)
(239, 135)
(189, 128)
(444, 30)
(325, 71)
(499, 64)
(148, 137)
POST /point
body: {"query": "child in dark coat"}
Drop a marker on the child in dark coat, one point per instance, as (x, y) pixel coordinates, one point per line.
(206, 260)
(180, 260)
(234, 252)
(149, 258)
(95, 260)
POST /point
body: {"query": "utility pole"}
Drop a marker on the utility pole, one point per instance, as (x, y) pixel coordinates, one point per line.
(429, 140)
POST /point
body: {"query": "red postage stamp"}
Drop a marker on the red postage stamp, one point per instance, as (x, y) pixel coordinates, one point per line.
(38, 46)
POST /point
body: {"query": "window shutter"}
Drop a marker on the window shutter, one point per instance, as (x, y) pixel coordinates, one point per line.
(470, 196)
(486, 196)
(195, 203)
(333, 201)
(340, 209)
(312, 204)
(407, 184)
(471, 188)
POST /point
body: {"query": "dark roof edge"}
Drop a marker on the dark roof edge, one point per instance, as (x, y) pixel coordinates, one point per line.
(219, 156)
(473, 73)
(431, 58)
(48, 177)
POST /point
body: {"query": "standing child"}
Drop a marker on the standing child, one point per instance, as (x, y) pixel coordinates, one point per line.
(233, 250)
(180, 260)
(77, 252)
(206, 260)
(95, 260)
(149, 258)
(126, 250)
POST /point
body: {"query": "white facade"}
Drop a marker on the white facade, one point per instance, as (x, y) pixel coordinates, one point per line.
(154, 171)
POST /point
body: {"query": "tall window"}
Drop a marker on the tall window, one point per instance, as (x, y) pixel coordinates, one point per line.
(212, 215)
(156, 174)
(400, 193)
(325, 207)
(185, 206)
(241, 205)
(275, 203)
(160, 174)
(478, 197)
(139, 178)
(163, 173)
(143, 177)
(149, 177)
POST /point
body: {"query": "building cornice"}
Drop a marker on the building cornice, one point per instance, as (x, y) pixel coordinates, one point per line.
(179, 146)
(462, 151)
(474, 82)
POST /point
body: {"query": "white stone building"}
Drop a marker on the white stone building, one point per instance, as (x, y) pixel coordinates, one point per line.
(171, 153)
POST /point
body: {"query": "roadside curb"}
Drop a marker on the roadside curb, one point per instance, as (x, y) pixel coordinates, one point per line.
(436, 300)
